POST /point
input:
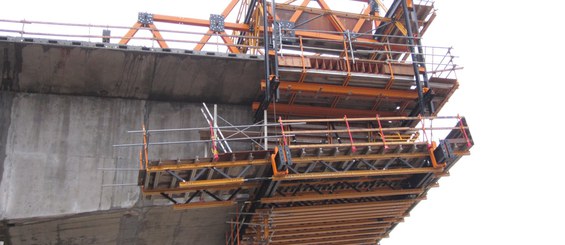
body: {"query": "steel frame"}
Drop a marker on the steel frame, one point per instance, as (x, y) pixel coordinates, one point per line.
(326, 187)
(349, 179)
(397, 38)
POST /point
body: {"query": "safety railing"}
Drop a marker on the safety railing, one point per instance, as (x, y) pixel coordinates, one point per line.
(363, 56)
(112, 34)
(346, 133)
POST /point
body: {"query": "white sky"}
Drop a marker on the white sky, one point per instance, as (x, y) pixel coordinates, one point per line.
(510, 190)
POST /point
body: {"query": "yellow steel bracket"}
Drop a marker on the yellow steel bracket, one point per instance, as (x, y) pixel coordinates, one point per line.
(401, 27)
(431, 149)
(381, 4)
(276, 172)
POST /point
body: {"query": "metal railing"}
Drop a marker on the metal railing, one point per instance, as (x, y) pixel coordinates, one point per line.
(308, 134)
(112, 34)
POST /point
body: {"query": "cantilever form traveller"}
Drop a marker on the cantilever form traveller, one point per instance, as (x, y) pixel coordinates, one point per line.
(325, 127)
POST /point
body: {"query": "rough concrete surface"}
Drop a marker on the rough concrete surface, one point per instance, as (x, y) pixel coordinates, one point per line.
(141, 226)
(56, 145)
(116, 73)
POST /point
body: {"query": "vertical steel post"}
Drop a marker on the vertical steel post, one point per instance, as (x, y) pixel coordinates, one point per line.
(266, 44)
(422, 59)
(414, 57)
(265, 128)
(276, 61)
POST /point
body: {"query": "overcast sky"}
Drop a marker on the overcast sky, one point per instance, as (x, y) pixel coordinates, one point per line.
(510, 191)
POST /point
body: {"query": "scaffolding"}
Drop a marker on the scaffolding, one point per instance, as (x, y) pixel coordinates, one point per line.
(316, 179)
(343, 145)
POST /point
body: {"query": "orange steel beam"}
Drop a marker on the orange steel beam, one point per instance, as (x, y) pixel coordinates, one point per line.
(337, 13)
(193, 166)
(229, 8)
(335, 181)
(332, 240)
(314, 111)
(344, 91)
(184, 206)
(289, 228)
(197, 22)
(354, 157)
(344, 219)
(153, 192)
(230, 43)
(338, 218)
(333, 19)
(157, 36)
(204, 40)
(308, 216)
(360, 22)
(367, 42)
(325, 232)
(324, 238)
(343, 210)
(298, 12)
(306, 228)
(259, 162)
(357, 173)
(359, 144)
(346, 195)
(246, 28)
(340, 206)
(211, 183)
(132, 31)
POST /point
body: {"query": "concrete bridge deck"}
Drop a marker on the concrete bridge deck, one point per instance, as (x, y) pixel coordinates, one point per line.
(63, 106)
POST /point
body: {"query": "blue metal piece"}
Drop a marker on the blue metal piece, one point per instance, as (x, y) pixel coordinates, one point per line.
(145, 18)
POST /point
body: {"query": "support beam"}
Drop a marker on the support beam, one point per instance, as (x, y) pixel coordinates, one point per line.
(327, 232)
(157, 35)
(204, 40)
(292, 228)
(132, 31)
(344, 91)
(298, 12)
(340, 218)
(314, 111)
(194, 205)
(357, 173)
(342, 206)
(313, 240)
(346, 195)
(333, 19)
(360, 22)
(333, 240)
(307, 216)
(211, 183)
(342, 14)
(197, 22)
(153, 192)
(228, 41)
(193, 166)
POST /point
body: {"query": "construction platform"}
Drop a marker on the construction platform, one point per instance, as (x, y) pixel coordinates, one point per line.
(324, 132)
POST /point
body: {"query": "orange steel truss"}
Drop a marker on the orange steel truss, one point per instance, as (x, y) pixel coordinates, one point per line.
(369, 69)
(306, 192)
(361, 156)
